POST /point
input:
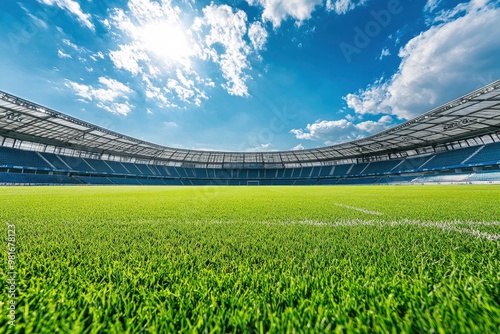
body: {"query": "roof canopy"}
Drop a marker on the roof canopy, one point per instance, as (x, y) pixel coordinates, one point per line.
(475, 114)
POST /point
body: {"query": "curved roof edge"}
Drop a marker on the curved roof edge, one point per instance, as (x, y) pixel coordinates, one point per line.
(474, 114)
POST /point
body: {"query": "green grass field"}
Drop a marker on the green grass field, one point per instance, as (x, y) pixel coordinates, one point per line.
(401, 259)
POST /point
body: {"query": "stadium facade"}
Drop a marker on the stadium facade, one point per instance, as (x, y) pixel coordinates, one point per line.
(456, 142)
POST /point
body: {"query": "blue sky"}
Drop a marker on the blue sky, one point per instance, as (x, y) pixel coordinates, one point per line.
(247, 75)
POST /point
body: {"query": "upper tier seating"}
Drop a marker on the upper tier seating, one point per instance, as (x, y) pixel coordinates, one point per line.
(172, 171)
(55, 161)
(326, 171)
(306, 172)
(146, 169)
(99, 165)
(341, 170)
(358, 169)
(132, 168)
(287, 173)
(117, 167)
(450, 158)
(381, 166)
(12, 157)
(76, 163)
(410, 164)
(253, 174)
(271, 173)
(489, 153)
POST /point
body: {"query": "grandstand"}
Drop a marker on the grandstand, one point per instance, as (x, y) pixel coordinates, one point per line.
(458, 142)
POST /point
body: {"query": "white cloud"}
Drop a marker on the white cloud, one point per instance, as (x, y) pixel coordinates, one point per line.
(111, 96)
(148, 33)
(170, 125)
(159, 94)
(343, 6)
(342, 130)
(258, 35)
(128, 58)
(39, 22)
(372, 127)
(440, 64)
(277, 11)
(326, 130)
(73, 45)
(61, 54)
(182, 78)
(116, 108)
(447, 15)
(350, 117)
(113, 89)
(73, 8)
(431, 5)
(36, 20)
(154, 45)
(260, 148)
(298, 147)
(183, 93)
(226, 30)
(97, 55)
(385, 52)
(79, 89)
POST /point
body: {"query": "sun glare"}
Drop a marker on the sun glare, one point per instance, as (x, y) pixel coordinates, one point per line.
(166, 41)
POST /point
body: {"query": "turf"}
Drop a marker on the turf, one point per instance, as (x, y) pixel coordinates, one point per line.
(403, 259)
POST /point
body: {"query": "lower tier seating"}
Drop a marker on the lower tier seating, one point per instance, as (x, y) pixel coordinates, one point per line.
(25, 178)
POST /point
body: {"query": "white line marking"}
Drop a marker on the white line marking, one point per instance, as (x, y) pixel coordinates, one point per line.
(359, 209)
(443, 226)
(450, 226)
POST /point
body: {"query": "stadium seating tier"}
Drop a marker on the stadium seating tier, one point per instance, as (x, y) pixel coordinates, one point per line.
(94, 171)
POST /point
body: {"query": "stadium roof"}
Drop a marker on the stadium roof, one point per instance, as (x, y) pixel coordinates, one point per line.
(474, 114)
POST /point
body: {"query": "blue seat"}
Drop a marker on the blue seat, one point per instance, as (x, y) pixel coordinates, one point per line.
(450, 158)
(28, 178)
(94, 180)
(99, 165)
(489, 153)
(253, 173)
(11, 157)
(377, 167)
(55, 161)
(357, 169)
(410, 164)
(341, 170)
(117, 167)
(288, 173)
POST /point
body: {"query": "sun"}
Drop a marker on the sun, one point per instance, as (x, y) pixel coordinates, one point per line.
(167, 41)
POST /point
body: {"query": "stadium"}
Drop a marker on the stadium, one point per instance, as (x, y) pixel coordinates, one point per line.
(250, 166)
(458, 142)
(336, 239)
